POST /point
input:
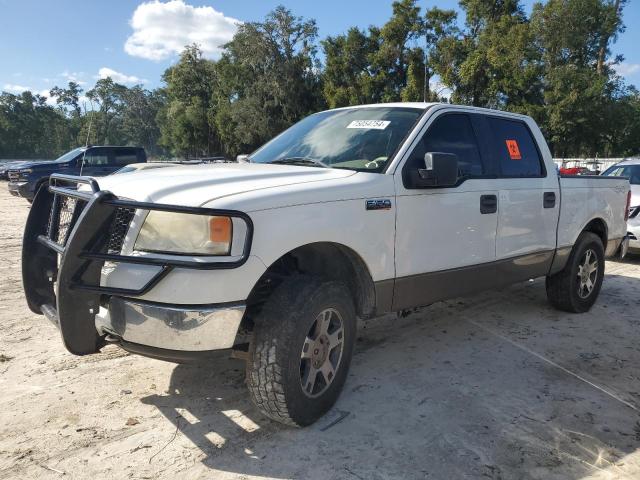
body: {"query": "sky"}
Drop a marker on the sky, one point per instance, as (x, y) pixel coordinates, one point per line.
(45, 43)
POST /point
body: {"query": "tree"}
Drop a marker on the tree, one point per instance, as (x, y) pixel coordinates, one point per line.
(347, 76)
(186, 120)
(140, 110)
(68, 98)
(492, 61)
(395, 55)
(108, 95)
(267, 79)
(581, 89)
(29, 128)
(381, 65)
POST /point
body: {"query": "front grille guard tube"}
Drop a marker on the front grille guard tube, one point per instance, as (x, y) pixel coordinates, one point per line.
(82, 255)
(94, 253)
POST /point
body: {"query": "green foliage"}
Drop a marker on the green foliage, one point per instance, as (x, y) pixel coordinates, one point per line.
(267, 80)
(347, 73)
(581, 94)
(29, 128)
(380, 65)
(186, 118)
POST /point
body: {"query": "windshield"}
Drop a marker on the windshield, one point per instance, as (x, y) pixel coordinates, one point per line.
(361, 139)
(69, 155)
(631, 171)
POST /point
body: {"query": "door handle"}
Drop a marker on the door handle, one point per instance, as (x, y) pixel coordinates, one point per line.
(549, 200)
(488, 204)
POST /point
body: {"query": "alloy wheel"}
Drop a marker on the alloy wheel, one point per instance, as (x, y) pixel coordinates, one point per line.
(587, 273)
(321, 353)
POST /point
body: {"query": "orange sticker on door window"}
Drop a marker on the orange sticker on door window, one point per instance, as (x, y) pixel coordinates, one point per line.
(514, 151)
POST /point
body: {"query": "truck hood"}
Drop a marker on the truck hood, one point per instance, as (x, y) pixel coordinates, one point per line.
(195, 185)
(34, 165)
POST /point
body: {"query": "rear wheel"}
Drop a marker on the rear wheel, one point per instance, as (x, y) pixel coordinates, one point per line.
(301, 349)
(576, 287)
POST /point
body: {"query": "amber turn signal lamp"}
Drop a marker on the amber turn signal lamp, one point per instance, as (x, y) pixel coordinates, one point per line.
(220, 229)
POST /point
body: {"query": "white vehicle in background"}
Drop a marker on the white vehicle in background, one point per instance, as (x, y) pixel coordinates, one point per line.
(630, 168)
(353, 212)
(136, 167)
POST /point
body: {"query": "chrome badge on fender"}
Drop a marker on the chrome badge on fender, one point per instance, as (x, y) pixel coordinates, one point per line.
(378, 204)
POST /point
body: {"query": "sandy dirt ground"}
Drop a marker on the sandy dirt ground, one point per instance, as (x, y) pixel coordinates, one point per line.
(496, 386)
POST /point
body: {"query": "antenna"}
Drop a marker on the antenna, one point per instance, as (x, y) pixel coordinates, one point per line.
(425, 80)
(86, 143)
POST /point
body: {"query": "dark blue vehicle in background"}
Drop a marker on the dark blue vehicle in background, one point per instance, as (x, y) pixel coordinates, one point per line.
(91, 161)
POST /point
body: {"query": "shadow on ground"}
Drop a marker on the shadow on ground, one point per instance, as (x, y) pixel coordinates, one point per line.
(495, 386)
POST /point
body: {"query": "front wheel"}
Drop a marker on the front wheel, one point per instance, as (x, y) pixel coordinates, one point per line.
(301, 349)
(576, 287)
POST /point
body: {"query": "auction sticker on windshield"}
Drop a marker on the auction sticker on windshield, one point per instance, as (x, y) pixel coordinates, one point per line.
(369, 124)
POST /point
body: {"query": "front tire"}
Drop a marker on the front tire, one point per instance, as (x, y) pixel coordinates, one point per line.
(301, 349)
(576, 287)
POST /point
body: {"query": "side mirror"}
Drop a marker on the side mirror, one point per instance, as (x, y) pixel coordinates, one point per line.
(243, 158)
(441, 170)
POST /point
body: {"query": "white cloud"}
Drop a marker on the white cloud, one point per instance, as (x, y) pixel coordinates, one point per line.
(627, 69)
(162, 29)
(18, 89)
(50, 100)
(13, 88)
(118, 77)
(73, 77)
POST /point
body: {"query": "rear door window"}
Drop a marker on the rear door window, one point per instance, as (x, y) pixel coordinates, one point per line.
(515, 148)
(124, 156)
(96, 158)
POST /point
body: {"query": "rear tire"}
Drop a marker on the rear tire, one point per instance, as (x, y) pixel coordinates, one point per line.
(301, 349)
(576, 287)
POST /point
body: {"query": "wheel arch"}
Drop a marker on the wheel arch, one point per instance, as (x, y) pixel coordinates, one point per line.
(329, 260)
(599, 227)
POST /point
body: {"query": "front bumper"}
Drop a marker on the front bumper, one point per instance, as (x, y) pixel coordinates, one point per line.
(194, 328)
(62, 267)
(633, 232)
(18, 189)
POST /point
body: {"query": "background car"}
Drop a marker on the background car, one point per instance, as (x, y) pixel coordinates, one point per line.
(630, 168)
(577, 171)
(6, 166)
(134, 167)
(93, 161)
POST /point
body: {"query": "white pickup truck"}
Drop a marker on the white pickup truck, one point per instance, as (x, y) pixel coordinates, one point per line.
(353, 212)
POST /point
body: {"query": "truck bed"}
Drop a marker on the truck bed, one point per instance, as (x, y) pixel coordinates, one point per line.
(585, 198)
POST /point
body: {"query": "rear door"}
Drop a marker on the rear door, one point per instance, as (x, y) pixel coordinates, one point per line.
(529, 198)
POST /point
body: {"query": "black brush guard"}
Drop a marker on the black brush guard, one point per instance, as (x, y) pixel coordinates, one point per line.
(75, 263)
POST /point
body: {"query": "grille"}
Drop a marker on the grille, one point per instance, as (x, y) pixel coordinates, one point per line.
(65, 213)
(13, 176)
(119, 228)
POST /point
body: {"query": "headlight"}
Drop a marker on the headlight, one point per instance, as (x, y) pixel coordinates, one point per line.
(185, 233)
(25, 171)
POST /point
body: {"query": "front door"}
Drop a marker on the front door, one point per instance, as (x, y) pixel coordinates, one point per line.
(445, 237)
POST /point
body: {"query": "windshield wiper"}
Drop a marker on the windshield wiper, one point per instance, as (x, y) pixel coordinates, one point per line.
(301, 161)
